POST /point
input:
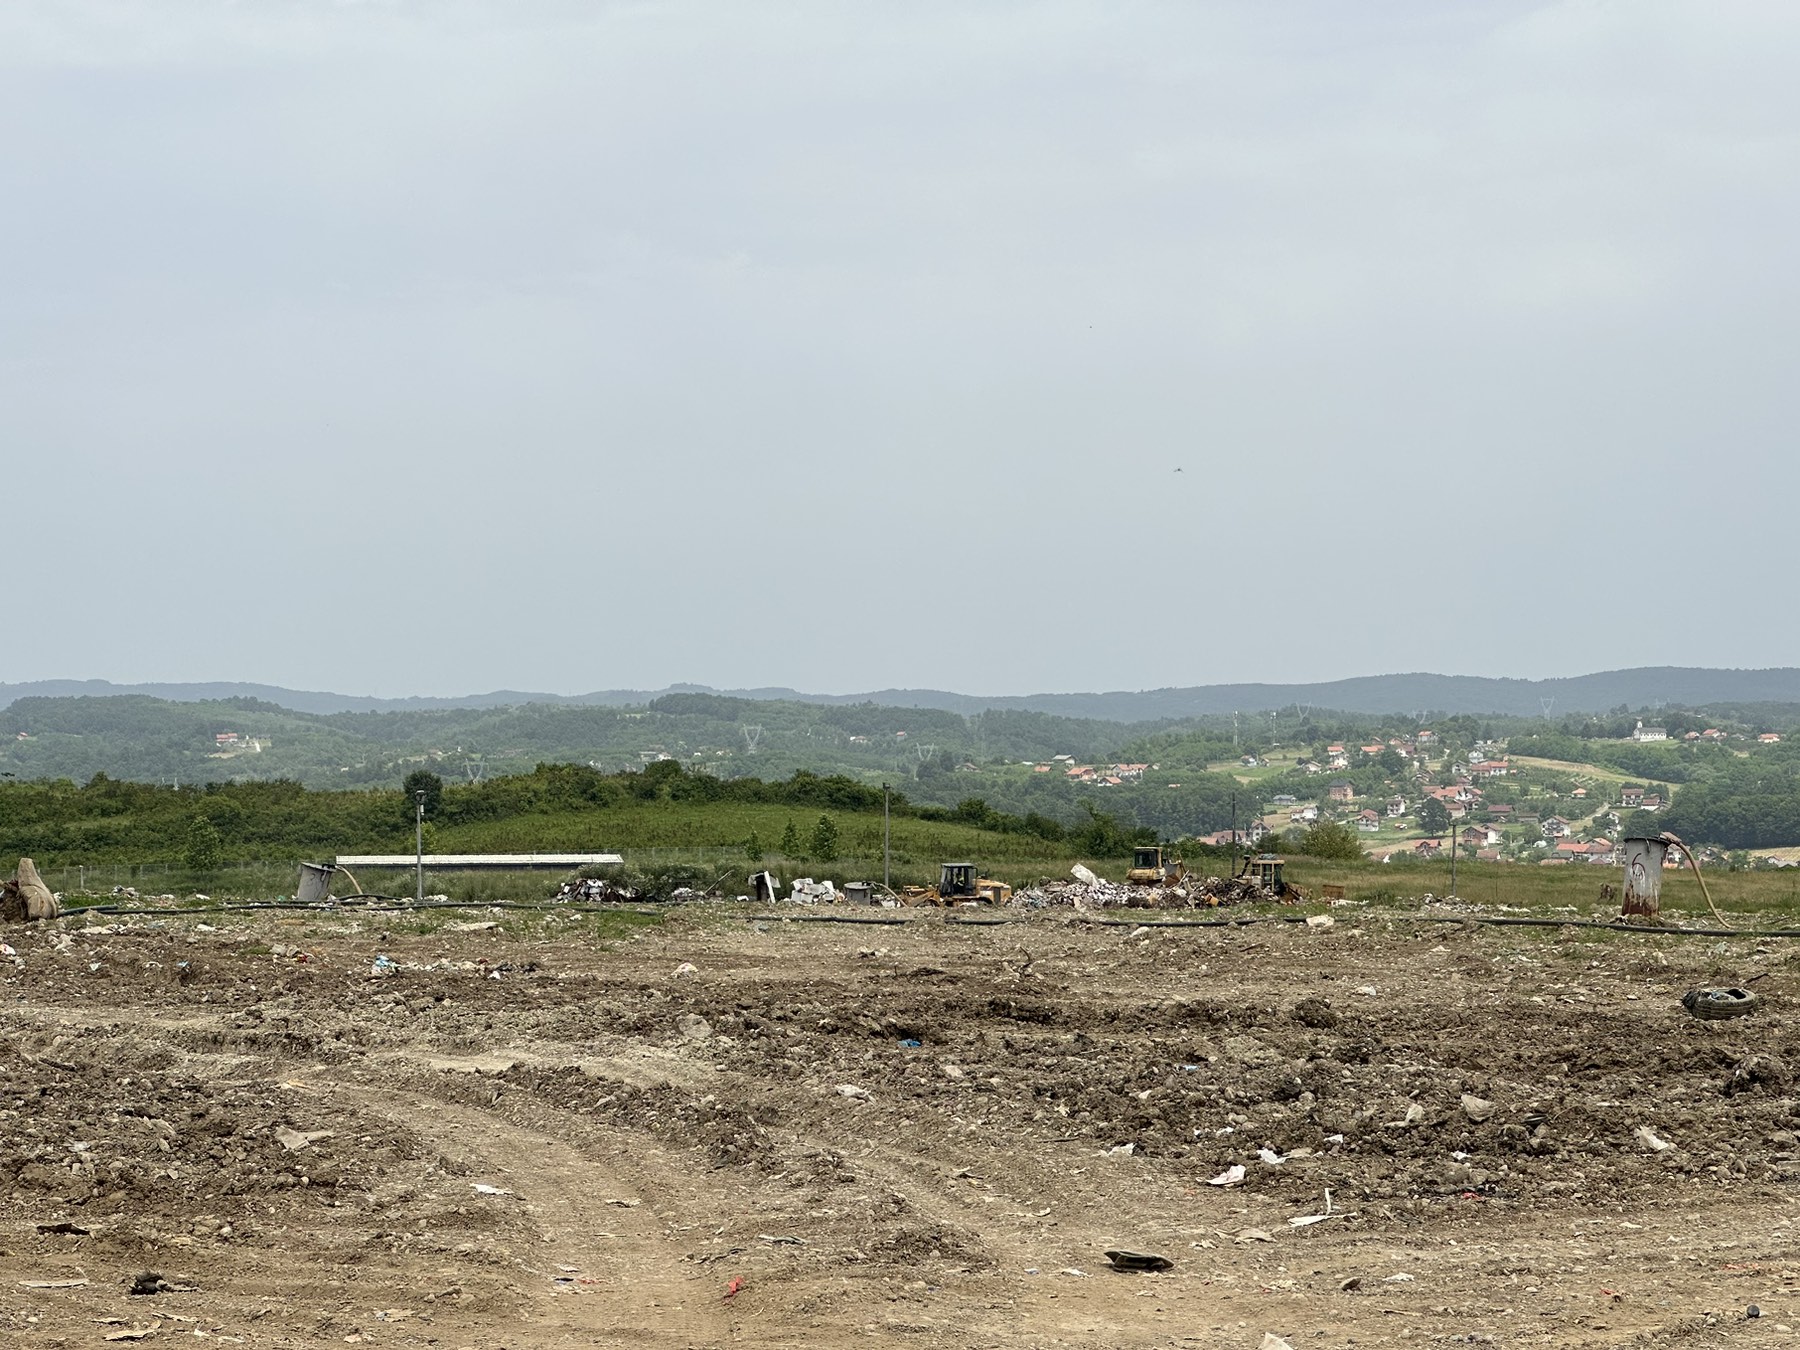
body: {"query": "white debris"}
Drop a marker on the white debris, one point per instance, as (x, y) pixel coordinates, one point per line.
(1648, 1138)
(482, 1188)
(1271, 1157)
(1231, 1176)
(853, 1092)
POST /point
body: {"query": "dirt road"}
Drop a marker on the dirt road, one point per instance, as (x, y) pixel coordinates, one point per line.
(736, 1130)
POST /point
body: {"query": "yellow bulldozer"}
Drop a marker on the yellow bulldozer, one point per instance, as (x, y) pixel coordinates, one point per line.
(1150, 868)
(958, 884)
(1264, 869)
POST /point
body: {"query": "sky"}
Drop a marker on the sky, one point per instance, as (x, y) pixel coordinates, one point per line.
(433, 347)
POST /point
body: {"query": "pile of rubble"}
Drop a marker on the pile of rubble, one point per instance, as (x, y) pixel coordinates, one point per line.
(1090, 892)
(593, 890)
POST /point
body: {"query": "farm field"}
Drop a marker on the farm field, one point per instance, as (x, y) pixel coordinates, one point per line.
(715, 1126)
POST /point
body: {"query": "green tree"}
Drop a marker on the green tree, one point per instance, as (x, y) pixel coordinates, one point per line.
(1328, 839)
(1434, 816)
(790, 841)
(423, 780)
(753, 849)
(203, 846)
(825, 840)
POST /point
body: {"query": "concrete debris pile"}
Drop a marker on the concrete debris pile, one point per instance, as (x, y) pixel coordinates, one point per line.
(806, 891)
(1083, 894)
(26, 898)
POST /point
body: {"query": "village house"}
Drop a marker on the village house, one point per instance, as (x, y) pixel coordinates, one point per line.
(1653, 801)
(1429, 848)
(1310, 766)
(1340, 791)
(1489, 768)
(1367, 819)
(1482, 835)
(1396, 806)
(1712, 734)
(1501, 811)
(1768, 738)
(1644, 733)
(1303, 815)
(1556, 828)
(1631, 798)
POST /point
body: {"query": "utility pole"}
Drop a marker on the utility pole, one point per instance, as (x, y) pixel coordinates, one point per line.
(419, 839)
(1234, 834)
(886, 880)
(1452, 860)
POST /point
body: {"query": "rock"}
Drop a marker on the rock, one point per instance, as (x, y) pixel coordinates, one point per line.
(1316, 1013)
(1271, 1341)
(1476, 1108)
(693, 1027)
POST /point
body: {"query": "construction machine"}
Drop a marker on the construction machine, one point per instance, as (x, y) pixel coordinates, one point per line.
(1150, 868)
(1264, 869)
(958, 884)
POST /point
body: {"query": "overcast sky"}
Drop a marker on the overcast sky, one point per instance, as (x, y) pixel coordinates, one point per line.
(440, 346)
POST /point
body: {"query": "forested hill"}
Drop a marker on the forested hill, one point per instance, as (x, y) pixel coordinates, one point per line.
(1647, 686)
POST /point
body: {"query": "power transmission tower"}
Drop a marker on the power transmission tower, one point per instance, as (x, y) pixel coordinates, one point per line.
(751, 736)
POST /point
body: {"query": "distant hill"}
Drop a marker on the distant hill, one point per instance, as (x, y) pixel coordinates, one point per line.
(1642, 687)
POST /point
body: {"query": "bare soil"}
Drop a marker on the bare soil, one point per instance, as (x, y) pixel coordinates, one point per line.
(541, 1140)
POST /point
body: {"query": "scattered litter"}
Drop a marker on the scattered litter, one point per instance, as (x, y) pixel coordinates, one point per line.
(1401, 1278)
(1648, 1138)
(1231, 1176)
(473, 926)
(1251, 1235)
(1476, 1108)
(482, 1188)
(1130, 1260)
(1320, 921)
(1307, 1220)
(384, 965)
(687, 968)
(147, 1282)
(1271, 1341)
(1076, 1271)
(295, 1140)
(1119, 1151)
(1270, 1157)
(781, 1239)
(1368, 991)
(1084, 875)
(625, 1204)
(51, 1284)
(132, 1333)
(910, 1044)
(1712, 1004)
(733, 1289)
(63, 1226)
(855, 1093)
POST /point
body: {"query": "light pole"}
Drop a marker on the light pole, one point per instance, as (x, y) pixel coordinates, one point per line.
(887, 881)
(419, 839)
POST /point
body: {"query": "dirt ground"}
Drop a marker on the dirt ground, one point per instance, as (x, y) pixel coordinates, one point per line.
(730, 1129)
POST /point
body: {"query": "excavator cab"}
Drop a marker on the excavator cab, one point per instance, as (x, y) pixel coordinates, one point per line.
(956, 881)
(1147, 859)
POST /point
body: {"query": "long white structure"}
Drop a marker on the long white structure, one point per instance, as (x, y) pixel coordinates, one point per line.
(444, 862)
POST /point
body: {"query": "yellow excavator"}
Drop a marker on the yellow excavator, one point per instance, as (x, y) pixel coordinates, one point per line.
(1150, 868)
(958, 884)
